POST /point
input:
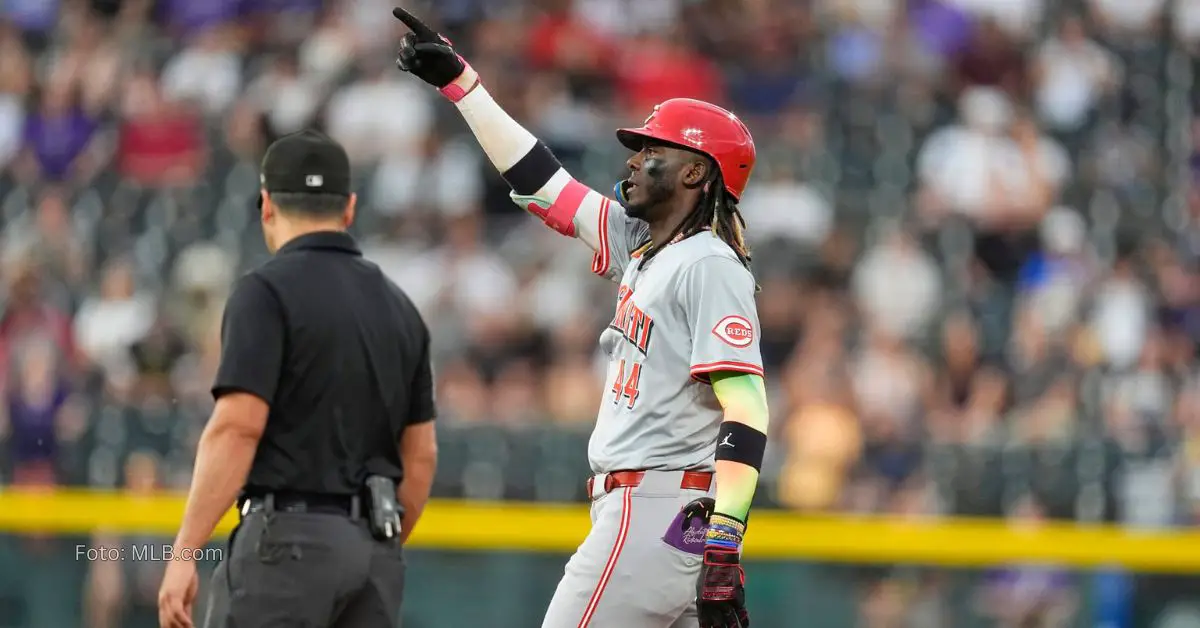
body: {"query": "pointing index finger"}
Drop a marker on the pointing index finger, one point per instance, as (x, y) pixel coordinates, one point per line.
(423, 32)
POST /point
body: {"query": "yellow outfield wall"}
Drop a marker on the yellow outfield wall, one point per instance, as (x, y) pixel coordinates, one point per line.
(772, 535)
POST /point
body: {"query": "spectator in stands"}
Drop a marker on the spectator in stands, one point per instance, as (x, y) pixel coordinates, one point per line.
(1003, 183)
(571, 394)
(160, 142)
(1053, 281)
(330, 48)
(193, 376)
(1144, 493)
(1071, 74)
(36, 19)
(560, 38)
(60, 142)
(16, 81)
(786, 212)
(1121, 315)
(45, 241)
(246, 132)
(91, 64)
(857, 49)
(971, 386)
(27, 314)
(564, 120)
(965, 168)
(517, 393)
(1122, 156)
(890, 383)
(110, 322)
(780, 315)
(898, 287)
(823, 442)
(287, 98)
(1035, 355)
(207, 72)
(941, 28)
(622, 19)
(657, 66)
(39, 410)
(352, 116)
(200, 278)
(1048, 419)
(155, 357)
(822, 438)
(189, 20)
(769, 79)
(471, 282)
(1127, 20)
(462, 393)
(991, 60)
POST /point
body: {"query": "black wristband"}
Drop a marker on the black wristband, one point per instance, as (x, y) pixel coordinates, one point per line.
(738, 442)
(532, 171)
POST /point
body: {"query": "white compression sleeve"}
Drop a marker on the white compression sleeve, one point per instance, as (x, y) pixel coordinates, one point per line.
(503, 139)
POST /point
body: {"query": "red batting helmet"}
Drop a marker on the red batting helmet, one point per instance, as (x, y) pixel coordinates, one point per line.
(704, 128)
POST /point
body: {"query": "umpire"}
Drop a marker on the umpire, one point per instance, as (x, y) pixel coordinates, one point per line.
(322, 430)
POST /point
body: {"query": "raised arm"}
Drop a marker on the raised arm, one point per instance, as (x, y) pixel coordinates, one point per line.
(539, 183)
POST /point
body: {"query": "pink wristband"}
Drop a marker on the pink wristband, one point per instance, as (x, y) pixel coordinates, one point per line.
(455, 92)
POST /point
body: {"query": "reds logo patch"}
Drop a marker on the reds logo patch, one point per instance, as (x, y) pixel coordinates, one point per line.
(735, 331)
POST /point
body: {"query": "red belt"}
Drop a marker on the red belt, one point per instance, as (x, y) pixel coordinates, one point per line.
(692, 480)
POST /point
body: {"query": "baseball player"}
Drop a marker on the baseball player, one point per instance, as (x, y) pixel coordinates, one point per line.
(685, 394)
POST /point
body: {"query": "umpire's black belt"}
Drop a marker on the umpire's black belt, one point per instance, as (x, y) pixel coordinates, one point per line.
(295, 502)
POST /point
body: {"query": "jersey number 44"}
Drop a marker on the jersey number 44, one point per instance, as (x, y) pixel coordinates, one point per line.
(625, 386)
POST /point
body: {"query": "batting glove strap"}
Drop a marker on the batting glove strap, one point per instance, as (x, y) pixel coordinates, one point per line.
(722, 575)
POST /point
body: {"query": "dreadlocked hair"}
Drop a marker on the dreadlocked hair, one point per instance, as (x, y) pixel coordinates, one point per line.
(718, 211)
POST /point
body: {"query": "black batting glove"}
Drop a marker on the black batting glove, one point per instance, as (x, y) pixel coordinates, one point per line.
(720, 589)
(426, 54)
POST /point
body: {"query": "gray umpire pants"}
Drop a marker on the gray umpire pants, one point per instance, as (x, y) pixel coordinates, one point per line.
(306, 570)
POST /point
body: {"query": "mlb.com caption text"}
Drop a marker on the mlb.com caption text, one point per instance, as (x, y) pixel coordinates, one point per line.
(146, 552)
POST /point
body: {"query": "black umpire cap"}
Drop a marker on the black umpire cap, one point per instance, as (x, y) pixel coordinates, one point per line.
(305, 162)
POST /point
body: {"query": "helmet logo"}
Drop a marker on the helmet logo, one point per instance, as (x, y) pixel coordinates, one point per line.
(651, 116)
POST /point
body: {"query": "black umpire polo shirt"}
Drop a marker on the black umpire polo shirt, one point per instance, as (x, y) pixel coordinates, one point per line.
(342, 357)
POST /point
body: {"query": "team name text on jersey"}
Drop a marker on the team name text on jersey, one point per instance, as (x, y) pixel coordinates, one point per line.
(634, 324)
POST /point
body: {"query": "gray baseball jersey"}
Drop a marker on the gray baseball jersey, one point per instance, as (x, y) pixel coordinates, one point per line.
(688, 312)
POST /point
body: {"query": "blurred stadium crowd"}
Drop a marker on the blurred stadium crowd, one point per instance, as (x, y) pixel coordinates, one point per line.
(973, 222)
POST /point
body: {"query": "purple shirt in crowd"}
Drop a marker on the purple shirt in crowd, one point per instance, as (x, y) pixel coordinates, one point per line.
(190, 16)
(57, 141)
(31, 16)
(281, 6)
(33, 436)
(942, 28)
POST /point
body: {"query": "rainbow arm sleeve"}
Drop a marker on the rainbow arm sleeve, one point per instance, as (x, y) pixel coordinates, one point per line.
(744, 399)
